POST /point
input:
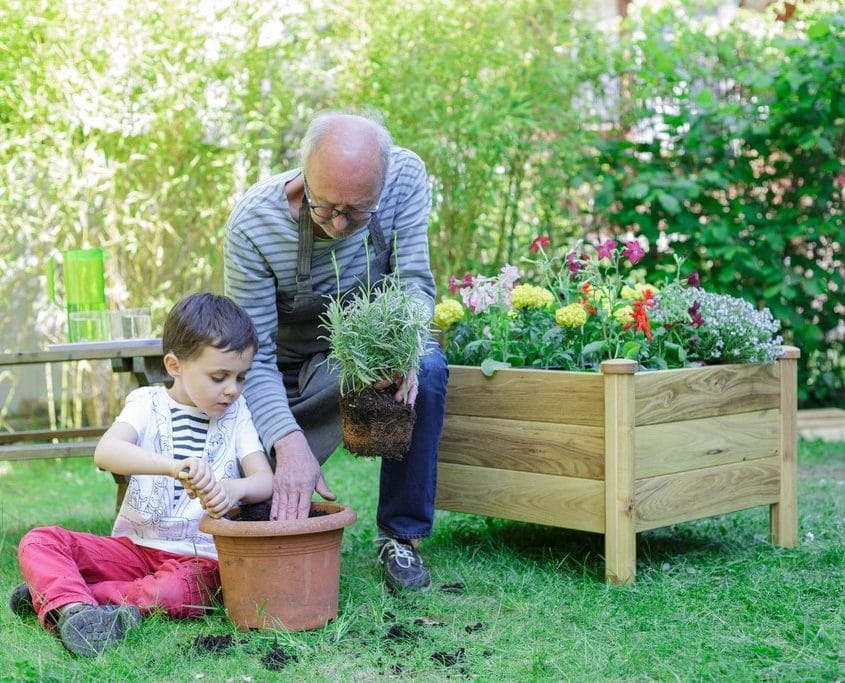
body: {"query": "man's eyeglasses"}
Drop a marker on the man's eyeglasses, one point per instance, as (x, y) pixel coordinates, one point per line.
(327, 213)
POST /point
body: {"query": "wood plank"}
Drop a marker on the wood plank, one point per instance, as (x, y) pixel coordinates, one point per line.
(620, 539)
(690, 393)
(541, 395)
(783, 515)
(567, 502)
(706, 442)
(120, 348)
(48, 434)
(75, 449)
(675, 498)
(827, 424)
(541, 447)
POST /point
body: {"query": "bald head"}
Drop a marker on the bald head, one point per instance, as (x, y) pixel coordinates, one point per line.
(343, 146)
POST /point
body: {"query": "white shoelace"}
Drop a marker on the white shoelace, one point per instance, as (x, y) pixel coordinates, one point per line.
(403, 554)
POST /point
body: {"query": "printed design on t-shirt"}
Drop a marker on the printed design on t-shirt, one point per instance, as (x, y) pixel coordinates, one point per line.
(152, 509)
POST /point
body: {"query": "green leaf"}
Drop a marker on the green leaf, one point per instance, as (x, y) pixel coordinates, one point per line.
(490, 365)
(594, 348)
(631, 350)
(636, 190)
(818, 30)
(669, 203)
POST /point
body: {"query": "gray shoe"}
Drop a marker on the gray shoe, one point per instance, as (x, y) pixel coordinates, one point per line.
(87, 630)
(20, 601)
(403, 566)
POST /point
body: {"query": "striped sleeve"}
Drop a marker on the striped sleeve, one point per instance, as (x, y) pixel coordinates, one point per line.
(260, 236)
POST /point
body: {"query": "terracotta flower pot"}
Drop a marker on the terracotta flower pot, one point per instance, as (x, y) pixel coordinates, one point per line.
(283, 574)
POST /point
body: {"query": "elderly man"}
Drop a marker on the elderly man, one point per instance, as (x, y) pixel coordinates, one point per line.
(363, 203)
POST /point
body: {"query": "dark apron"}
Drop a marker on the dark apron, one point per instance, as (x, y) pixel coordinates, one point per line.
(312, 388)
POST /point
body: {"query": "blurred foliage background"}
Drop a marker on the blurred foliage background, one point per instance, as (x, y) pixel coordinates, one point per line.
(136, 126)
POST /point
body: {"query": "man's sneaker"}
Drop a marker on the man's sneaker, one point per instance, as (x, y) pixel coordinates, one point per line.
(403, 566)
(20, 601)
(87, 630)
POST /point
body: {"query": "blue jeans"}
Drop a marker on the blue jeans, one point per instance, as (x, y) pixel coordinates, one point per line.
(407, 487)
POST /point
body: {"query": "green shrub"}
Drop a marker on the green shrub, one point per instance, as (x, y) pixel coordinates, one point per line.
(740, 164)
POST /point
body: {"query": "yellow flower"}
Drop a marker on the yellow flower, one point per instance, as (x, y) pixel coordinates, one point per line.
(447, 313)
(624, 315)
(529, 296)
(638, 292)
(572, 315)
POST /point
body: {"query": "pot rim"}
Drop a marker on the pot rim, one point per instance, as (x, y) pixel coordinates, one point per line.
(339, 516)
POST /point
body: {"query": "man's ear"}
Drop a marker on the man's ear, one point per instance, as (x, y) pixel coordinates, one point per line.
(172, 365)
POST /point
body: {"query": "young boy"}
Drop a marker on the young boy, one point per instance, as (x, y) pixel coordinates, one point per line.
(183, 447)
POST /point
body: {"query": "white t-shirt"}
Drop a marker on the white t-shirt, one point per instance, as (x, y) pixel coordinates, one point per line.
(152, 514)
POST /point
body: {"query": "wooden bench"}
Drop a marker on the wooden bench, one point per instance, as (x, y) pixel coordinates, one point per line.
(140, 357)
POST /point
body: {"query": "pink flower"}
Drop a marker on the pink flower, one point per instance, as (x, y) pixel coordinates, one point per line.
(605, 249)
(540, 242)
(633, 252)
(693, 280)
(455, 285)
(508, 277)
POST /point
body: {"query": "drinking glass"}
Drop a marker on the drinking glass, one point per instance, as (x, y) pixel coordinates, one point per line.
(136, 323)
(87, 326)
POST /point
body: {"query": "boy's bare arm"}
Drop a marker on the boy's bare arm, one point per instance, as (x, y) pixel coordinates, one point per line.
(117, 452)
(257, 483)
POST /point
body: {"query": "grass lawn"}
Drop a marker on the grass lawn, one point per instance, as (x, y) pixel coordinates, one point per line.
(713, 600)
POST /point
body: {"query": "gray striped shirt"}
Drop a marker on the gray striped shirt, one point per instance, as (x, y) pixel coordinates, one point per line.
(260, 255)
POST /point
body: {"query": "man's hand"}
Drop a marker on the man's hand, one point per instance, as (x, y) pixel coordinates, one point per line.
(408, 383)
(297, 476)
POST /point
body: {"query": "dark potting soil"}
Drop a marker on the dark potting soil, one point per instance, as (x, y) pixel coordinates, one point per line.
(212, 643)
(260, 512)
(376, 425)
(276, 659)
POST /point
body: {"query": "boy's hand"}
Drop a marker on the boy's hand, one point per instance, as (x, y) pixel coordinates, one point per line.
(219, 500)
(196, 475)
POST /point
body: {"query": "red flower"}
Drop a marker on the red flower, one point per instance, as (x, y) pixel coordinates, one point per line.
(694, 280)
(540, 242)
(586, 289)
(633, 252)
(641, 321)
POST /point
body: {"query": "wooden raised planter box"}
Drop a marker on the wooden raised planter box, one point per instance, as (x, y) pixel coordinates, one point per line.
(622, 451)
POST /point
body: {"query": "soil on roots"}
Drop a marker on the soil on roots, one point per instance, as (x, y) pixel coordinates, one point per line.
(376, 425)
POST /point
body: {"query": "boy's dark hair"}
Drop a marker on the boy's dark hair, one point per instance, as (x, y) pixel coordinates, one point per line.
(206, 319)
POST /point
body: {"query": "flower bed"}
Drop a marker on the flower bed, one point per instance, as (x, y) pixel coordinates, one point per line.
(619, 450)
(622, 451)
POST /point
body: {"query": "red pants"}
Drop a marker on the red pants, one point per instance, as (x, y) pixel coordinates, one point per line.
(61, 567)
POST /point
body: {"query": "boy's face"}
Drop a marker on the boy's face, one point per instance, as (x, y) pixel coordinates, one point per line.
(212, 381)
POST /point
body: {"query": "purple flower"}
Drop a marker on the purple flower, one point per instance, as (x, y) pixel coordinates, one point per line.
(573, 264)
(633, 252)
(694, 280)
(605, 249)
(695, 315)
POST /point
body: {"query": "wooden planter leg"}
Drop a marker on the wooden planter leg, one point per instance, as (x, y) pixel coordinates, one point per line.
(783, 515)
(620, 514)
